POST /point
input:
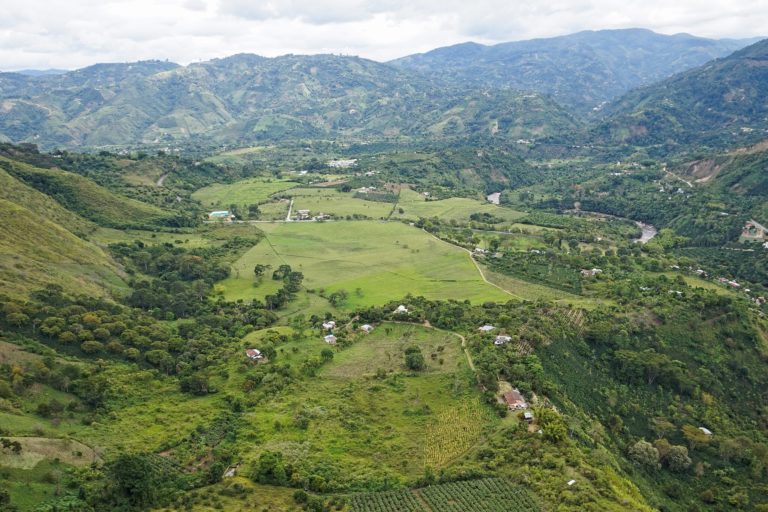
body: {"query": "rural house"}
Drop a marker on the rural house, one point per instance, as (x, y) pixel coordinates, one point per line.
(401, 310)
(502, 339)
(254, 354)
(302, 215)
(366, 328)
(221, 216)
(329, 325)
(486, 328)
(515, 400)
(754, 231)
(330, 339)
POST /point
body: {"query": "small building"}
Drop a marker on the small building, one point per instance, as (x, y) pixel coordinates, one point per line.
(254, 354)
(571, 482)
(528, 416)
(486, 328)
(502, 339)
(221, 216)
(706, 431)
(330, 339)
(401, 310)
(515, 400)
(366, 328)
(329, 325)
(754, 231)
(480, 251)
(302, 215)
(591, 272)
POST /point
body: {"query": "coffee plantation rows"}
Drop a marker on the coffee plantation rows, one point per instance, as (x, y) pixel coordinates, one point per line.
(486, 495)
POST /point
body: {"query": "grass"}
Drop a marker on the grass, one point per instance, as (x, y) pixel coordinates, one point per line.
(455, 208)
(383, 349)
(385, 261)
(35, 251)
(369, 427)
(336, 203)
(237, 494)
(37, 449)
(250, 191)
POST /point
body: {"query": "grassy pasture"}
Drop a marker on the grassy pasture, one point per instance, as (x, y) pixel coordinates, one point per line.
(384, 347)
(367, 426)
(455, 208)
(36, 449)
(339, 204)
(385, 261)
(244, 192)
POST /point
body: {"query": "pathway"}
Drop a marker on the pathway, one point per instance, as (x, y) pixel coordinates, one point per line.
(161, 180)
(290, 208)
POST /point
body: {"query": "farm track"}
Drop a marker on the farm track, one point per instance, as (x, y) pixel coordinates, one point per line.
(161, 180)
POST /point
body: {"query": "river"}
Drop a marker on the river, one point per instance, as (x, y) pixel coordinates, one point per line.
(648, 231)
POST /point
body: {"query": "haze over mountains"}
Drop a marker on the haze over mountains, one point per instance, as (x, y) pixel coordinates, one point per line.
(521, 90)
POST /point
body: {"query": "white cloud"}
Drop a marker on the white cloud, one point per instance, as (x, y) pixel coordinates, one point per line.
(41, 33)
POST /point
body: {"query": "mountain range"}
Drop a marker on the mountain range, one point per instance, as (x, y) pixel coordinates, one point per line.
(524, 90)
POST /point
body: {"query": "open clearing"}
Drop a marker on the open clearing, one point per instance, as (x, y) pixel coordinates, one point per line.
(244, 192)
(36, 449)
(393, 424)
(414, 206)
(375, 262)
(383, 349)
(336, 203)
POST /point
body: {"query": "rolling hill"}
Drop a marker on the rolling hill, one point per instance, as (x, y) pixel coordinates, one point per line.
(580, 70)
(722, 103)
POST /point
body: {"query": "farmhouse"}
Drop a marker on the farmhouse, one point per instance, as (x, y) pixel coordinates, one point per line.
(515, 400)
(486, 328)
(254, 354)
(221, 216)
(302, 215)
(330, 324)
(754, 231)
(330, 339)
(706, 431)
(502, 339)
(342, 163)
(366, 328)
(591, 272)
(401, 310)
(528, 416)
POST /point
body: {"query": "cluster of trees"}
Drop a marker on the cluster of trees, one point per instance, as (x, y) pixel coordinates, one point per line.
(291, 285)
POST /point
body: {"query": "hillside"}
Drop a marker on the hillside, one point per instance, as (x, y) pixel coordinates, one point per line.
(580, 70)
(722, 103)
(249, 98)
(36, 252)
(81, 195)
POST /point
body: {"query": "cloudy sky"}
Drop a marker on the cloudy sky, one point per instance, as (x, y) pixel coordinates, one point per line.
(57, 34)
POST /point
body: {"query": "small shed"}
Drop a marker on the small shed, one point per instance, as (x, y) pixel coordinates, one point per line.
(330, 339)
(502, 339)
(254, 354)
(329, 325)
(486, 328)
(515, 400)
(366, 328)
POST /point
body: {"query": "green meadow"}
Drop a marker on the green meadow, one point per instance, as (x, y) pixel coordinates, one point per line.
(244, 192)
(375, 262)
(393, 424)
(415, 205)
(336, 203)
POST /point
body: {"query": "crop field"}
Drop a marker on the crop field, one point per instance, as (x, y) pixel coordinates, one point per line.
(250, 191)
(374, 262)
(455, 431)
(455, 208)
(336, 203)
(486, 495)
(383, 349)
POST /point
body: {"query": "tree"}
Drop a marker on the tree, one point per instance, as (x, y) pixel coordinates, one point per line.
(132, 479)
(326, 354)
(414, 359)
(678, 459)
(645, 454)
(259, 269)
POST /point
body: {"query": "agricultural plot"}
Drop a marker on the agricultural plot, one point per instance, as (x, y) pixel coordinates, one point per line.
(392, 501)
(454, 432)
(374, 262)
(383, 350)
(250, 191)
(487, 495)
(414, 206)
(339, 204)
